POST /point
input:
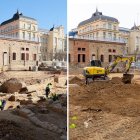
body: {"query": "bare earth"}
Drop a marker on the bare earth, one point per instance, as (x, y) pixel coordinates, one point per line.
(35, 118)
(105, 110)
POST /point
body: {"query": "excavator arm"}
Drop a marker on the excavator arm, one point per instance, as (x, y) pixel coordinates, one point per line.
(118, 59)
(128, 61)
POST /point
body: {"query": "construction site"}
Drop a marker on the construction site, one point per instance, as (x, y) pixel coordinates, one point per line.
(104, 109)
(28, 114)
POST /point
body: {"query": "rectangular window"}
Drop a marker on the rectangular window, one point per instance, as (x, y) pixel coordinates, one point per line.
(114, 27)
(104, 25)
(110, 58)
(22, 49)
(109, 26)
(69, 58)
(34, 28)
(27, 56)
(83, 49)
(97, 26)
(29, 35)
(104, 35)
(24, 26)
(114, 36)
(109, 50)
(84, 58)
(55, 39)
(102, 58)
(16, 34)
(33, 36)
(79, 49)
(28, 26)
(34, 57)
(23, 34)
(109, 35)
(27, 49)
(22, 56)
(78, 57)
(114, 51)
(97, 35)
(14, 56)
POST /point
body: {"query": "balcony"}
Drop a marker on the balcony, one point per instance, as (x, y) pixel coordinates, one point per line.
(101, 39)
(18, 38)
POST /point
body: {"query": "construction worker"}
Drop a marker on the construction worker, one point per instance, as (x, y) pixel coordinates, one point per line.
(48, 90)
(2, 104)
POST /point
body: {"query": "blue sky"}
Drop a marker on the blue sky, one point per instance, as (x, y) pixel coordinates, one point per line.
(47, 12)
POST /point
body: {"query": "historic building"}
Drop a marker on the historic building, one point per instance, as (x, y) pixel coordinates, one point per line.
(81, 51)
(53, 43)
(43, 38)
(108, 39)
(20, 27)
(19, 43)
(57, 43)
(16, 54)
(99, 27)
(23, 45)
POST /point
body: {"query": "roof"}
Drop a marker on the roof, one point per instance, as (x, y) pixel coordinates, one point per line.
(43, 30)
(52, 28)
(124, 29)
(16, 16)
(96, 16)
(73, 33)
(135, 27)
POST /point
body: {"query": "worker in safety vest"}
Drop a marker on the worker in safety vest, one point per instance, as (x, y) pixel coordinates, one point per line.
(47, 90)
(2, 104)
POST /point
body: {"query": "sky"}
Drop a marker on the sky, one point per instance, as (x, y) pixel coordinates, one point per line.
(46, 12)
(127, 12)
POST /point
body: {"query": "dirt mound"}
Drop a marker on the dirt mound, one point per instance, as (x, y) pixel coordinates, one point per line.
(2, 76)
(10, 86)
(10, 130)
(75, 80)
(116, 80)
(107, 104)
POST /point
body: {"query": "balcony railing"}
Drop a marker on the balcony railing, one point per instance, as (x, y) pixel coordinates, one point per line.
(18, 38)
(101, 39)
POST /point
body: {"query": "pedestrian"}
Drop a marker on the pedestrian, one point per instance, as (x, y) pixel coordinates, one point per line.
(2, 104)
(47, 90)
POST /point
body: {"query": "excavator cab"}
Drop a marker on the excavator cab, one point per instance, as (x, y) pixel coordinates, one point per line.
(96, 63)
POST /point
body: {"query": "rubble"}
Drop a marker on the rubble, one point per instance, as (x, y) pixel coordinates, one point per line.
(27, 106)
(12, 98)
(12, 85)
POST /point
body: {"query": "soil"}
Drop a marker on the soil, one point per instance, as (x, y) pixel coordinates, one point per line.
(105, 110)
(19, 126)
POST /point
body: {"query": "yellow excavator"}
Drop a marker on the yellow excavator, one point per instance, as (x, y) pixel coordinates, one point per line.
(95, 70)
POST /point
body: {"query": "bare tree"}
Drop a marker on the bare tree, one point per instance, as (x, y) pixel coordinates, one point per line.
(61, 55)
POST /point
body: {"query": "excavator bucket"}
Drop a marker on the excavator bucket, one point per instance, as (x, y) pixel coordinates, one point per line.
(127, 78)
